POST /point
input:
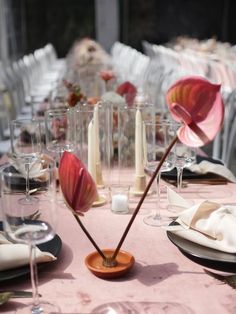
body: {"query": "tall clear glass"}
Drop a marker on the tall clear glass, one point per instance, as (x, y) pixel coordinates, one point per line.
(131, 148)
(19, 228)
(26, 150)
(93, 136)
(185, 157)
(158, 137)
(60, 131)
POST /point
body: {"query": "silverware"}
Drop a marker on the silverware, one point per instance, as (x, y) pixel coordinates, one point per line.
(186, 182)
(6, 295)
(227, 279)
(212, 181)
(19, 294)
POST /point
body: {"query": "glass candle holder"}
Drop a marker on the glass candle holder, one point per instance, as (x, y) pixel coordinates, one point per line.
(132, 143)
(119, 199)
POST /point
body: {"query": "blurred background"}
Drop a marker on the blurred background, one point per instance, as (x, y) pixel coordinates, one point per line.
(26, 25)
(159, 40)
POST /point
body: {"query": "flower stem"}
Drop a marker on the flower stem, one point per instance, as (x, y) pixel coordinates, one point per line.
(143, 197)
(89, 236)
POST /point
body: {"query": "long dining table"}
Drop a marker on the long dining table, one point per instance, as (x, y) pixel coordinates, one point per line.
(162, 279)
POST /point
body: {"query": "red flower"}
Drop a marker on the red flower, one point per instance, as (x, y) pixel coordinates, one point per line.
(77, 185)
(197, 104)
(75, 94)
(128, 90)
(73, 99)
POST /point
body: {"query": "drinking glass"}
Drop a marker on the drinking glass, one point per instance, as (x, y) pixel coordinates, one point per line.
(185, 157)
(19, 228)
(158, 138)
(26, 151)
(60, 131)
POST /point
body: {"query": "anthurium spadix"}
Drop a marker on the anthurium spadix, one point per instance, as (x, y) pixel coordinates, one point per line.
(197, 104)
(77, 186)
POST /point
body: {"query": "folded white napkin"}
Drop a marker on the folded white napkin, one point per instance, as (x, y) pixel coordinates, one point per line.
(208, 167)
(16, 255)
(3, 240)
(208, 223)
(34, 170)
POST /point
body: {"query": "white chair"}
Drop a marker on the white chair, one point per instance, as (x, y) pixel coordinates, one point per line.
(224, 145)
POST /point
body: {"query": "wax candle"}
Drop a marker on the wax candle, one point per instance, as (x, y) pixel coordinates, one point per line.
(97, 158)
(91, 155)
(119, 203)
(96, 135)
(144, 145)
(139, 167)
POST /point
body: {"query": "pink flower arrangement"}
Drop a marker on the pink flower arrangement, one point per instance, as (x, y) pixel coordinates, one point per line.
(192, 101)
(198, 106)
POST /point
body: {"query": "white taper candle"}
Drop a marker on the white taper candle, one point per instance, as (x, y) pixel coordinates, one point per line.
(139, 167)
(96, 135)
(91, 153)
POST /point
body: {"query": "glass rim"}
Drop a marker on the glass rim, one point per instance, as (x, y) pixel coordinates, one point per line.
(87, 107)
(144, 106)
(57, 110)
(24, 120)
(163, 122)
(120, 186)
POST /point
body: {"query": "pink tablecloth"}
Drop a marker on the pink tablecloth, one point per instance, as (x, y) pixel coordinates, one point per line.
(162, 280)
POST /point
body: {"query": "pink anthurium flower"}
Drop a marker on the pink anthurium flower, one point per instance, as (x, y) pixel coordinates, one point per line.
(77, 185)
(128, 90)
(198, 105)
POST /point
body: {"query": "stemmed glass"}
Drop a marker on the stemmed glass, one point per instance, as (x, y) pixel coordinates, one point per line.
(20, 229)
(158, 138)
(60, 131)
(26, 150)
(185, 157)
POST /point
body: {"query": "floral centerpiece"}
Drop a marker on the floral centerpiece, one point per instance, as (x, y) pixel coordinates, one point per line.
(197, 105)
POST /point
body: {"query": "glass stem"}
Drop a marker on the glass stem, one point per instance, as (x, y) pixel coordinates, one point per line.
(58, 158)
(27, 188)
(34, 280)
(158, 214)
(159, 187)
(179, 178)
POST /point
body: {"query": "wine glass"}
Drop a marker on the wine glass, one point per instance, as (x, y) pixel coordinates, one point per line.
(59, 131)
(158, 138)
(26, 151)
(19, 228)
(185, 157)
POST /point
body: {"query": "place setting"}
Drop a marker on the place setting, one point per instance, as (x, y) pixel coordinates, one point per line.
(21, 231)
(204, 232)
(29, 210)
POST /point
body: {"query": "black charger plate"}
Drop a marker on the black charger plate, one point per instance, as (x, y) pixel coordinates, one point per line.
(187, 174)
(202, 255)
(19, 182)
(53, 246)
